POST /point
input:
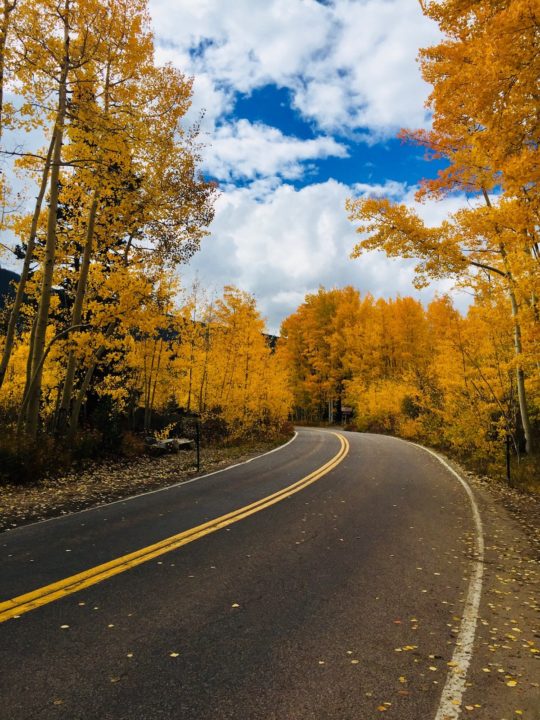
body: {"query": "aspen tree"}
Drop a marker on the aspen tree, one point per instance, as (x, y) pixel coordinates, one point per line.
(485, 124)
(103, 125)
(8, 6)
(55, 40)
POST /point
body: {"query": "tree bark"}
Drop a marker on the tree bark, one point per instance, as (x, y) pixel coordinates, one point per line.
(81, 394)
(520, 379)
(21, 287)
(32, 415)
(77, 311)
(518, 347)
(37, 371)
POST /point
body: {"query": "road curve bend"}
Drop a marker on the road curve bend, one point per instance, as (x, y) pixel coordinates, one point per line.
(328, 580)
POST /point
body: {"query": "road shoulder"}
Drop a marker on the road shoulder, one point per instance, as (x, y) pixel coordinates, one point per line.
(503, 681)
(110, 480)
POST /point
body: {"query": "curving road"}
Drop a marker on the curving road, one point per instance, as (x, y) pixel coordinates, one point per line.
(340, 598)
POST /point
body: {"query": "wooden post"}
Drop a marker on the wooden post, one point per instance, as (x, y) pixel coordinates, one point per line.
(508, 471)
(198, 443)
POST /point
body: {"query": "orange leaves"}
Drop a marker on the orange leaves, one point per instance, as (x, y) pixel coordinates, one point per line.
(432, 374)
(484, 75)
(399, 232)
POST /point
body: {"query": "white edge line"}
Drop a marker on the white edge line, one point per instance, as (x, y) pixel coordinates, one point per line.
(454, 687)
(152, 492)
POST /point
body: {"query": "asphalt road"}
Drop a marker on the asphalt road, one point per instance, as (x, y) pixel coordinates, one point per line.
(342, 601)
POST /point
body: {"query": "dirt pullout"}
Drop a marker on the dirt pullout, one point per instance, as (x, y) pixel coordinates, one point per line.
(102, 482)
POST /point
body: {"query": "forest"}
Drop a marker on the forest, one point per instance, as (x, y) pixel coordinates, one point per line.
(100, 341)
(468, 384)
(425, 374)
(95, 337)
(485, 126)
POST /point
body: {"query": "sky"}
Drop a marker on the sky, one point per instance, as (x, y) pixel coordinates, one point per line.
(299, 103)
(302, 102)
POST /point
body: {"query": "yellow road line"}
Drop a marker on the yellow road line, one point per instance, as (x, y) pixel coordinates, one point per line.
(29, 601)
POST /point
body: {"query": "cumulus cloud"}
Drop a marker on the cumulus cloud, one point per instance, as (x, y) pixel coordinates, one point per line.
(285, 242)
(369, 76)
(348, 64)
(350, 69)
(244, 150)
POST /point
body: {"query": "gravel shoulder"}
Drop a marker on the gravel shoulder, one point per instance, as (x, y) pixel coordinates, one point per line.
(504, 678)
(108, 480)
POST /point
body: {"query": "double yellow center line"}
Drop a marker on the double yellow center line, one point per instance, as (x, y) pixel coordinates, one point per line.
(49, 593)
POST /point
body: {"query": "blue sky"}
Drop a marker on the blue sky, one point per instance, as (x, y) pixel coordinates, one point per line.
(302, 102)
(371, 161)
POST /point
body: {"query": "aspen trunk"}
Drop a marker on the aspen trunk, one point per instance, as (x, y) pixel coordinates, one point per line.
(28, 380)
(21, 287)
(82, 282)
(520, 379)
(518, 347)
(81, 394)
(8, 9)
(148, 388)
(518, 352)
(32, 415)
(37, 371)
(76, 317)
(191, 360)
(154, 386)
(204, 376)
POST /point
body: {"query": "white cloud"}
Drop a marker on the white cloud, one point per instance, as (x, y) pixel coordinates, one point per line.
(245, 150)
(282, 243)
(348, 64)
(350, 67)
(373, 63)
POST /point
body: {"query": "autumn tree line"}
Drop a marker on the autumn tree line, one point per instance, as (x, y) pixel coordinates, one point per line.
(466, 383)
(98, 131)
(425, 374)
(96, 336)
(485, 126)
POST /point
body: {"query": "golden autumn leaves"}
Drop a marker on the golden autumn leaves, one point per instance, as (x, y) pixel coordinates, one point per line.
(427, 374)
(484, 77)
(125, 199)
(96, 311)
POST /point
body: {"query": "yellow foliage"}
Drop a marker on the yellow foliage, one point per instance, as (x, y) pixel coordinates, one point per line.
(425, 374)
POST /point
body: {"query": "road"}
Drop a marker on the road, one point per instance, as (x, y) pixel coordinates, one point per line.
(340, 599)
